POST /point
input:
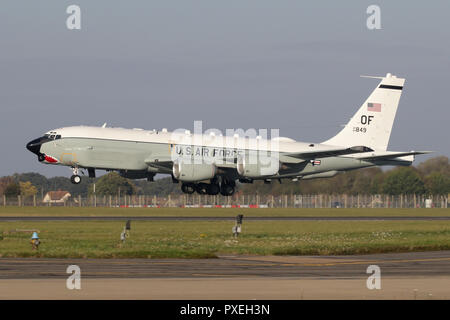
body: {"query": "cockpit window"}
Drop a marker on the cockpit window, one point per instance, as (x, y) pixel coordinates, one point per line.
(52, 136)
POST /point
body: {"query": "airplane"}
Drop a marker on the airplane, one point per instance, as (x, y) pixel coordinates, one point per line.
(211, 164)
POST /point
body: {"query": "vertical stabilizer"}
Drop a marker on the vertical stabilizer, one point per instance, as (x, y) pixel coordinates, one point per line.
(371, 125)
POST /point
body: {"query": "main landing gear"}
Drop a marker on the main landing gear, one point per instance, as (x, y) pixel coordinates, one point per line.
(226, 188)
(75, 178)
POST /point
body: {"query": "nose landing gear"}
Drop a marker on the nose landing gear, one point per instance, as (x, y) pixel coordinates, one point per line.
(75, 178)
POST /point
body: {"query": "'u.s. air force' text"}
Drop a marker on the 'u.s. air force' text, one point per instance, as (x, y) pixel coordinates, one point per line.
(206, 152)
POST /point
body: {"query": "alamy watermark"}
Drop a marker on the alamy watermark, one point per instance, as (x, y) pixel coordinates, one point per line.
(251, 147)
(374, 281)
(373, 22)
(74, 280)
(73, 21)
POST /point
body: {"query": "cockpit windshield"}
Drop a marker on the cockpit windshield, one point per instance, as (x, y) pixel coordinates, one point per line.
(52, 136)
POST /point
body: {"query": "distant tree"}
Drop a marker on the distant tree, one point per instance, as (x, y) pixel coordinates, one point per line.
(27, 189)
(4, 182)
(36, 179)
(430, 176)
(438, 184)
(376, 185)
(111, 184)
(363, 181)
(160, 187)
(12, 189)
(403, 180)
(438, 164)
(44, 184)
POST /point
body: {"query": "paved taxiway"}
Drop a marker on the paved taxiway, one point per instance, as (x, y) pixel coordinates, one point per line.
(421, 275)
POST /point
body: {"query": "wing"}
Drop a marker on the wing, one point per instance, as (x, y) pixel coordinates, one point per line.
(165, 163)
(162, 163)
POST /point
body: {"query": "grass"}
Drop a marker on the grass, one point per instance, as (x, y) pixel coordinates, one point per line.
(209, 239)
(286, 212)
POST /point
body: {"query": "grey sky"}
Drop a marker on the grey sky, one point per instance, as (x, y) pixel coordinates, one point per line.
(291, 65)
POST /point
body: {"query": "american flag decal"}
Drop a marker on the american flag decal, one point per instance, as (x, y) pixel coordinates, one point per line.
(315, 162)
(375, 107)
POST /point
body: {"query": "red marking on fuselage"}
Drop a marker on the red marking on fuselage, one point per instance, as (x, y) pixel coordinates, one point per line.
(50, 159)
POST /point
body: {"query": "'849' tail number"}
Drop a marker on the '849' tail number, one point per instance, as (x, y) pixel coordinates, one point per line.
(358, 129)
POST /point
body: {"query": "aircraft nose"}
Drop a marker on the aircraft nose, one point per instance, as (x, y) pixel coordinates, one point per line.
(35, 146)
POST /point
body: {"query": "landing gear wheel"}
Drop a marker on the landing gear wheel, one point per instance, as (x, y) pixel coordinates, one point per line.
(201, 188)
(188, 188)
(226, 190)
(75, 179)
(213, 189)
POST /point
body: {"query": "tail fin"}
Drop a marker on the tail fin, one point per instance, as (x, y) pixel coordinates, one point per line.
(372, 124)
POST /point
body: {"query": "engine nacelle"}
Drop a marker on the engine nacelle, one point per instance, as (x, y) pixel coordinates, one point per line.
(192, 172)
(258, 167)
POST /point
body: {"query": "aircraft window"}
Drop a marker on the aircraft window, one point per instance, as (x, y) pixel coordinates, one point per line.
(46, 135)
(52, 136)
(58, 136)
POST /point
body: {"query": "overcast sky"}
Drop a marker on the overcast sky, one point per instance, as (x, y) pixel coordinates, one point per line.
(292, 65)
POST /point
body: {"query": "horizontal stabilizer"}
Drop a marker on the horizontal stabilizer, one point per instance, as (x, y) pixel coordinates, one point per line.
(391, 155)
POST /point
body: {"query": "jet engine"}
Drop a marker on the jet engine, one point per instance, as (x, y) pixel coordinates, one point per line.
(257, 167)
(192, 172)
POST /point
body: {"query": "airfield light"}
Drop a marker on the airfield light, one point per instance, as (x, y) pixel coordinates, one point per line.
(238, 227)
(35, 242)
(126, 231)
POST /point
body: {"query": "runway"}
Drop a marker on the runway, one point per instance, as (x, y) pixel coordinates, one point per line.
(224, 218)
(403, 275)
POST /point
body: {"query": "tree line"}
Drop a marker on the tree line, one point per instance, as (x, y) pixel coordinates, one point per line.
(429, 177)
